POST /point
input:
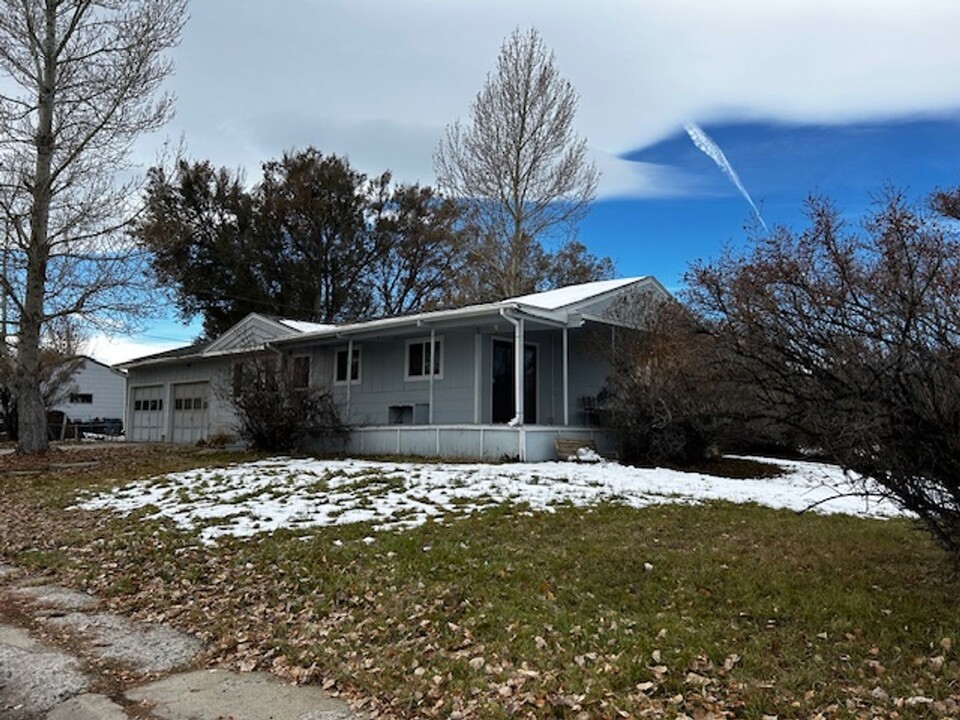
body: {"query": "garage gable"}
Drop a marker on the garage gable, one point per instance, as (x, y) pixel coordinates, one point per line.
(250, 333)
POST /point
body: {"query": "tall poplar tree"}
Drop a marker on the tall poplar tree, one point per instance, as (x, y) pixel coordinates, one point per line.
(81, 81)
(522, 173)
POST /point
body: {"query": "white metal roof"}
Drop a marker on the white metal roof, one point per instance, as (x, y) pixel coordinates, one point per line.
(558, 307)
(552, 306)
(572, 294)
(306, 327)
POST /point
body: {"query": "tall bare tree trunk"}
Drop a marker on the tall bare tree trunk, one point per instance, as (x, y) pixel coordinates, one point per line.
(80, 79)
(32, 413)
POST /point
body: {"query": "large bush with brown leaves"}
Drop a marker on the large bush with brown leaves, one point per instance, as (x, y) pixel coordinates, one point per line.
(852, 337)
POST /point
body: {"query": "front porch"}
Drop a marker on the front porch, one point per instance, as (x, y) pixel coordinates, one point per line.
(529, 443)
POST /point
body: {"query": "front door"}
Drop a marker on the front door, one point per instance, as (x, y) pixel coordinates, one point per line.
(504, 392)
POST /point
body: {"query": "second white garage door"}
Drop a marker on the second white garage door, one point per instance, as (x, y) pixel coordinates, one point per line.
(191, 403)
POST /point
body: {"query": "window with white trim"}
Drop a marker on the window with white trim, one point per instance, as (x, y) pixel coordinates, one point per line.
(340, 367)
(420, 363)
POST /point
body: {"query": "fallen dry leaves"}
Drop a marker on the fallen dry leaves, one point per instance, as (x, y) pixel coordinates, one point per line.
(392, 648)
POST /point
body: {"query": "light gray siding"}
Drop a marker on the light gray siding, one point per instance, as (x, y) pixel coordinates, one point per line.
(461, 396)
(590, 350)
(252, 331)
(383, 384)
(628, 307)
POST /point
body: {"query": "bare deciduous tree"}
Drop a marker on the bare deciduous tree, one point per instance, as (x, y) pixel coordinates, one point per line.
(853, 339)
(59, 362)
(519, 168)
(80, 83)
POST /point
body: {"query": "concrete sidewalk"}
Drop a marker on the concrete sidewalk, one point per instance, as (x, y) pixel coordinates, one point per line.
(43, 679)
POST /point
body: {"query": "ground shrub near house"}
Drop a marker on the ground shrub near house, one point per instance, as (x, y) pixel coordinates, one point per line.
(715, 610)
(277, 410)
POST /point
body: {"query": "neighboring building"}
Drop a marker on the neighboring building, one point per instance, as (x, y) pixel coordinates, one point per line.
(450, 382)
(97, 392)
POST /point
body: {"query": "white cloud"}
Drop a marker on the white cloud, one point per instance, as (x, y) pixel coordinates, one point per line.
(378, 81)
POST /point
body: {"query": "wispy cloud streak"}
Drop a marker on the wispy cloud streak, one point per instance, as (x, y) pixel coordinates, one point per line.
(709, 148)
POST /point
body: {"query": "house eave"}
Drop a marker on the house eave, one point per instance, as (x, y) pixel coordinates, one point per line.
(438, 319)
(135, 364)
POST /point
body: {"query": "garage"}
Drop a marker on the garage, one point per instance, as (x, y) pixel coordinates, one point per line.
(147, 417)
(191, 402)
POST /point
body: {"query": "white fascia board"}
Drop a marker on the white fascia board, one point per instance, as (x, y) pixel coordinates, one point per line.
(394, 323)
(558, 318)
(133, 364)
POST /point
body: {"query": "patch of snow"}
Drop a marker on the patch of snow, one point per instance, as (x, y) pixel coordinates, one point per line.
(100, 437)
(561, 297)
(307, 327)
(587, 455)
(266, 495)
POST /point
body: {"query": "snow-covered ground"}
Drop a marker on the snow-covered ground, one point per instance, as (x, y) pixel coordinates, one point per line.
(281, 492)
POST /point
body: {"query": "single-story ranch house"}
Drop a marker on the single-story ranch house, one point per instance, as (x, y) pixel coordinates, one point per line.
(495, 380)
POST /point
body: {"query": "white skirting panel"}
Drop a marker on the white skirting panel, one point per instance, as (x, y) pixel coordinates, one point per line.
(535, 443)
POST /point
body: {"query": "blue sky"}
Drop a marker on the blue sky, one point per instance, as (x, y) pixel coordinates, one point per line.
(839, 97)
(780, 165)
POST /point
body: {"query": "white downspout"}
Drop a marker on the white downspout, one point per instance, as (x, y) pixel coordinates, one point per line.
(566, 377)
(517, 366)
(518, 382)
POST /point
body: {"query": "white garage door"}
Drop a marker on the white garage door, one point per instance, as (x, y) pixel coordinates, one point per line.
(190, 412)
(147, 421)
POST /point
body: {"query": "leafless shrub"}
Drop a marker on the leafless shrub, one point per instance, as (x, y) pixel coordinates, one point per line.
(275, 415)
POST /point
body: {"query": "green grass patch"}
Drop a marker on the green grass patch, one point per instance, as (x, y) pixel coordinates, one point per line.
(734, 610)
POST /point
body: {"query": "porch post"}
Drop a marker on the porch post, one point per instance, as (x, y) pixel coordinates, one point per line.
(566, 377)
(477, 376)
(433, 364)
(349, 373)
(518, 370)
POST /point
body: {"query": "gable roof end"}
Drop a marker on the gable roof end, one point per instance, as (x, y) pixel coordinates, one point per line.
(564, 297)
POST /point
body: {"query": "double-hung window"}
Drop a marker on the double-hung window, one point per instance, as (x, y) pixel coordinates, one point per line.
(422, 361)
(340, 367)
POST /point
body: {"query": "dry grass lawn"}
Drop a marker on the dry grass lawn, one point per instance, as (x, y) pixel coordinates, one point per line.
(717, 610)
